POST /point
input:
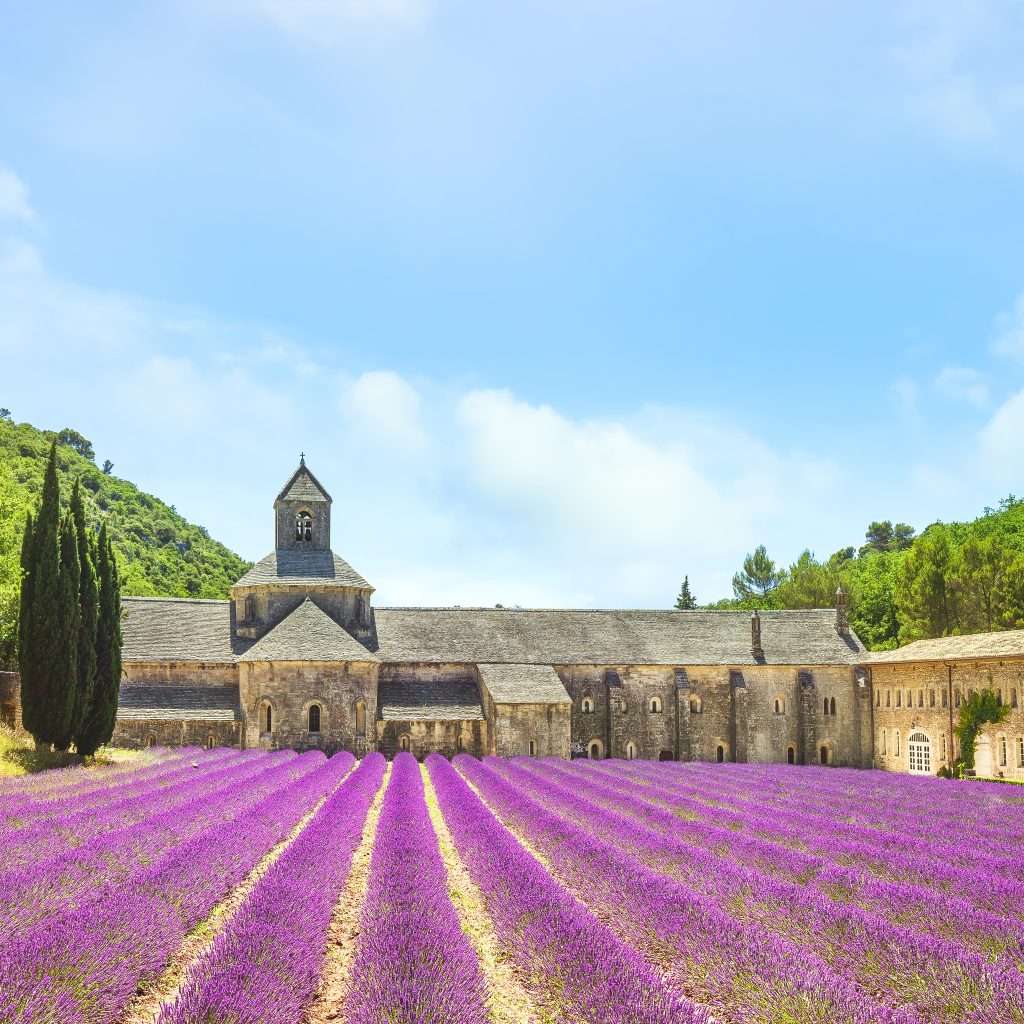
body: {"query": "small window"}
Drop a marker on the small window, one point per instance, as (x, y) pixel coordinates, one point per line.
(780, 705)
(533, 748)
(267, 718)
(211, 741)
(943, 746)
(404, 742)
(885, 733)
(945, 699)
(1002, 752)
(899, 698)
(595, 750)
(931, 698)
(696, 706)
(1013, 697)
(825, 708)
(832, 706)
(304, 526)
(150, 741)
(888, 698)
(1020, 751)
(897, 743)
(720, 754)
(920, 698)
(956, 697)
(587, 705)
(878, 698)
(314, 717)
(910, 700)
(631, 751)
(655, 706)
(790, 755)
(360, 718)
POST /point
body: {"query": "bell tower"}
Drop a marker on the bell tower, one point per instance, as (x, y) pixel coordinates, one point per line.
(302, 513)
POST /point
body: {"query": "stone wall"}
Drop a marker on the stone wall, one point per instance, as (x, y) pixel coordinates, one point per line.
(348, 606)
(135, 734)
(180, 673)
(290, 688)
(447, 737)
(545, 726)
(925, 697)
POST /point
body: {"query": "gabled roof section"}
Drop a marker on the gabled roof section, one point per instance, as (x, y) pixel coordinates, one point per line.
(196, 703)
(972, 646)
(308, 634)
(303, 486)
(301, 567)
(179, 629)
(413, 700)
(523, 684)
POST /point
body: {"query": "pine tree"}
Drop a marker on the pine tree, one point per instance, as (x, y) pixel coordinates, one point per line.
(40, 679)
(98, 723)
(88, 600)
(25, 613)
(64, 692)
(686, 601)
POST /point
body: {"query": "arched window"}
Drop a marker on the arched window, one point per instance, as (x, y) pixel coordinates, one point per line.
(899, 698)
(910, 698)
(790, 755)
(897, 743)
(720, 754)
(885, 733)
(303, 526)
(888, 698)
(588, 705)
(1020, 751)
(931, 698)
(630, 751)
(832, 706)
(945, 699)
(655, 705)
(780, 705)
(1002, 752)
(878, 698)
(696, 706)
(533, 748)
(824, 753)
(267, 718)
(956, 697)
(211, 741)
(150, 741)
(943, 746)
(825, 710)
(919, 751)
(1013, 697)
(403, 742)
(920, 698)
(360, 718)
(314, 717)
(595, 750)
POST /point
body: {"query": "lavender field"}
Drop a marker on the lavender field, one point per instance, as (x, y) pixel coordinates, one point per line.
(247, 887)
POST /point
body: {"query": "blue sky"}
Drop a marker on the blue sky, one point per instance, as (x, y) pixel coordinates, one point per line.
(562, 301)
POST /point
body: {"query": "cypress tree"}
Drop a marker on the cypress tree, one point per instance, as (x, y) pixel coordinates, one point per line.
(64, 693)
(88, 601)
(25, 618)
(41, 678)
(98, 724)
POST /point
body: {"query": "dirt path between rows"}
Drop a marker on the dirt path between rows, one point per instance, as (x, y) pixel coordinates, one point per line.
(343, 934)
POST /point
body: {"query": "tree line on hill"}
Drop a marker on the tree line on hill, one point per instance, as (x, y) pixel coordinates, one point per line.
(952, 578)
(69, 624)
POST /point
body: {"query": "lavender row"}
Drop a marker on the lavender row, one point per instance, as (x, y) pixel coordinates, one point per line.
(413, 965)
(76, 829)
(937, 914)
(83, 967)
(573, 962)
(263, 968)
(65, 881)
(940, 979)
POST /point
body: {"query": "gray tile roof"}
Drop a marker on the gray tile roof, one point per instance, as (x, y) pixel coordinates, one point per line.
(437, 700)
(524, 684)
(1006, 644)
(300, 567)
(610, 637)
(303, 486)
(197, 703)
(178, 629)
(307, 634)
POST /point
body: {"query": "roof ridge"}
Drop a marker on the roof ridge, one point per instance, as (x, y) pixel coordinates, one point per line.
(179, 600)
(563, 611)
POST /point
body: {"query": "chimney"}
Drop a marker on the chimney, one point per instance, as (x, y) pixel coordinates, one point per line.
(842, 619)
(755, 637)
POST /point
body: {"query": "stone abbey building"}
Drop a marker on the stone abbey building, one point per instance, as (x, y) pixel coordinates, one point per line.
(300, 657)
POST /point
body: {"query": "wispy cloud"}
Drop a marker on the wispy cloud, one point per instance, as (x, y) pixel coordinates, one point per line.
(14, 204)
(963, 384)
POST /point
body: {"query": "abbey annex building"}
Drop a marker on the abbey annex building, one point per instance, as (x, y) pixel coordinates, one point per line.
(300, 657)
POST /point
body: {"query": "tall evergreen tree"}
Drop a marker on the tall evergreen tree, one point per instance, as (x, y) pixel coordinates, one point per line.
(27, 582)
(686, 601)
(41, 680)
(98, 722)
(88, 601)
(65, 657)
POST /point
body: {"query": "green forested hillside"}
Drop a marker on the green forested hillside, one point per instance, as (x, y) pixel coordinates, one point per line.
(159, 552)
(953, 578)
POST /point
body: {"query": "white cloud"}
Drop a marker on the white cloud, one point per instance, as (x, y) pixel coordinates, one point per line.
(963, 384)
(1001, 440)
(1009, 333)
(14, 204)
(385, 405)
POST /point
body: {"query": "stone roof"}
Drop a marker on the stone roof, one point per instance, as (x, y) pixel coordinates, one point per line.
(307, 634)
(173, 629)
(1006, 644)
(303, 486)
(410, 700)
(197, 703)
(523, 684)
(610, 637)
(178, 629)
(301, 567)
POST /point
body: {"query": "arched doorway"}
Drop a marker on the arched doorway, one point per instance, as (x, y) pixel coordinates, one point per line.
(825, 754)
(919, 750)
(720, 754)
(595, 750)
(790, 755)
(631, 751)
(404, 743)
